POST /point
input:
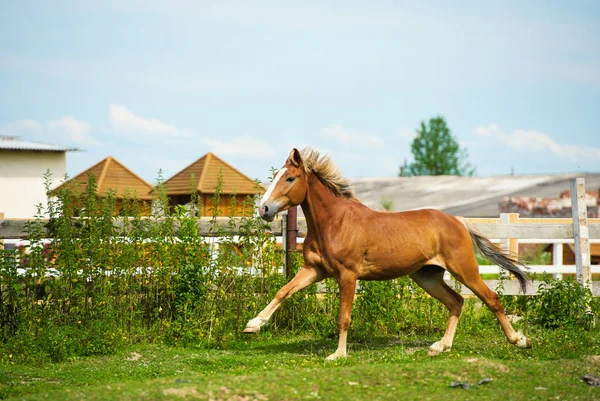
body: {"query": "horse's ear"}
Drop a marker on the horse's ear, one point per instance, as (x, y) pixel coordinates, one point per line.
(294, 158)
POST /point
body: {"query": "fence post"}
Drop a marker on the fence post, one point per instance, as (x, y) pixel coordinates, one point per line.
(557, 257)
(291, 234)
(284, 245)
(581, 232)
(1, 240)
(511, 244)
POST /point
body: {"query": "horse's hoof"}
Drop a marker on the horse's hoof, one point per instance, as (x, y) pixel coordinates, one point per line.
(438, 348)
(254, 325)
(335, 356)
(251, 329)
(523, 342)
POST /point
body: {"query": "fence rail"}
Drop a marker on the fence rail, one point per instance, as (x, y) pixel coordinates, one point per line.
(524, 229)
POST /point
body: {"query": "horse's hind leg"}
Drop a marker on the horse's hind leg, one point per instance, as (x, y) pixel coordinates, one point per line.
(470, 277)
(431, 279)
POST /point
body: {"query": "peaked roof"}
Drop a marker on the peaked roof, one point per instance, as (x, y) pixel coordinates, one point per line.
(112, 175)
(205, 171)
(14, 143)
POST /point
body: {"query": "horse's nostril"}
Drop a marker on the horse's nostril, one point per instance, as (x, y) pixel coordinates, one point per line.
(266, 209)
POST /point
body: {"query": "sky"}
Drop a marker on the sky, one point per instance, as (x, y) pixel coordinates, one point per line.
(158, 84)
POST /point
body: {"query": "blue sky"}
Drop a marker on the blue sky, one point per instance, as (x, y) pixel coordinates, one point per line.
(158, 84)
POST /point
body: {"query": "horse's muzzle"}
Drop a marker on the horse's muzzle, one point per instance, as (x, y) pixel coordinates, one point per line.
(267, 212)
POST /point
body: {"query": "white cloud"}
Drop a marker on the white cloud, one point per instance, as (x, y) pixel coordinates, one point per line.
(240, 146)
(71, 125)
(406, 133)
(352, 139)
(19, 127)
(71, 129)
(535, 141)
(66, 131)
(140, 129)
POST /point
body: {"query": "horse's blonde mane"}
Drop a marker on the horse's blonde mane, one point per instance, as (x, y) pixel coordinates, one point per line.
(322, 166)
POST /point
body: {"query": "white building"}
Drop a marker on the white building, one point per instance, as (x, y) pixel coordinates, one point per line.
(22, 168)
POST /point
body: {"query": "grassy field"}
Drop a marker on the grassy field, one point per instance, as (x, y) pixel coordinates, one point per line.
(272, 367)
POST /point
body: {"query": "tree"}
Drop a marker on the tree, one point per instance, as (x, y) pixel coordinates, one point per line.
(436, 152)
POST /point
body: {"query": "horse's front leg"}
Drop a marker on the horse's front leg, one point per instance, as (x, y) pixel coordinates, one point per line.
(306, 276)
(347, 290)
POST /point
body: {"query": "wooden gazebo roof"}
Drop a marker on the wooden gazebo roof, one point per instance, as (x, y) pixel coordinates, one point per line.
(205, 171)
(112, 175)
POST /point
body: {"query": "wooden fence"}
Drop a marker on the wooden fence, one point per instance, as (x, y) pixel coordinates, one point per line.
(509, 230)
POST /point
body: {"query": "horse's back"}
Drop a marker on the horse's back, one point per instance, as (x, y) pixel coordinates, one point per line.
(420, 220)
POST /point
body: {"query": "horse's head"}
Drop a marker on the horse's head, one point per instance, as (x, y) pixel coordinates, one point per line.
(288, 188)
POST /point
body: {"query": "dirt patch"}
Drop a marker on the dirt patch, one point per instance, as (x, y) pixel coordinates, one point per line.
(486, 363)
(455, 376)
(133, 356)
(224, 394)
(30, 380)
(240, 397)
(412, 350)
(183, 392)
(595, 359)
(227, 394)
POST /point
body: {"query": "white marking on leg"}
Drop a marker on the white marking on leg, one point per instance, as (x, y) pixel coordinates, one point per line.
(267, 194)
(341, 350)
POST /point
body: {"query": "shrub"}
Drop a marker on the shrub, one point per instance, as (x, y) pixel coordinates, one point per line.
(564, 303)
(110, 276)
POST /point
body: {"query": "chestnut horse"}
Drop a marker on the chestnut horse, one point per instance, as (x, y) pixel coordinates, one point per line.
(348, 241)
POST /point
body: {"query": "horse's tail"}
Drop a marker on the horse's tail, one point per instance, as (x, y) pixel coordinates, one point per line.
(506, 260)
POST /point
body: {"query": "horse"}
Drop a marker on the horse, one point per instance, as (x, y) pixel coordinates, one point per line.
(348, 241)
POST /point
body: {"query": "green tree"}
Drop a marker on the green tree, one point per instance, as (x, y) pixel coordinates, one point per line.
(436, 152)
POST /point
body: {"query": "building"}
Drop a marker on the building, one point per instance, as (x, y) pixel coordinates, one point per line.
(113, 176)
(202, 177)
(466, 196)
(23, 165)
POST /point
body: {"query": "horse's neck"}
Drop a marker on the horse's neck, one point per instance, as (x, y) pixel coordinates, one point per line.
(319, 207)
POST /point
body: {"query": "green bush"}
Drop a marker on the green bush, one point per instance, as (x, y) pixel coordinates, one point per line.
(111, 276)
(562, 303)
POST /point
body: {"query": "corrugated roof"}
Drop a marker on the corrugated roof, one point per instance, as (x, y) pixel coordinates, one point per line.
(205, 172)
(462, 196)
(14, 143)
(112, 175)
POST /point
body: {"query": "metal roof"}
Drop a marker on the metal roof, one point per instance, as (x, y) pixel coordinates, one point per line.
(463, 196)
(14, 143)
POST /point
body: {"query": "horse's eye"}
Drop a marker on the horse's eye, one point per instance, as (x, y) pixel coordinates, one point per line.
(291, 179)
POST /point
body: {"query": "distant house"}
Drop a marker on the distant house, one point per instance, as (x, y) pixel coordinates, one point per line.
(22, 168)
(202, 176)
(111, 175)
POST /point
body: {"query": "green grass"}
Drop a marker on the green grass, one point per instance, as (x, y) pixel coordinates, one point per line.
(275, 367)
